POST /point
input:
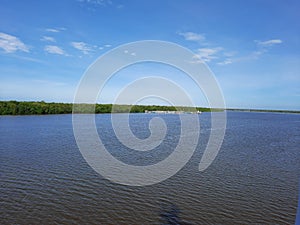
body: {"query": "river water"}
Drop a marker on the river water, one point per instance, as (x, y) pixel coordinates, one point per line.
(253, 180)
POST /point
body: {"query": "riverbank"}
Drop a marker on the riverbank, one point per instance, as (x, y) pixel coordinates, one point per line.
(48, 108)
(45, 108)
(264, 110)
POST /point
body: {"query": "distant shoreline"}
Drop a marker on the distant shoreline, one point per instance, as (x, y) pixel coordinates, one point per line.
(264, 110)
(52, 108)
(44, 108)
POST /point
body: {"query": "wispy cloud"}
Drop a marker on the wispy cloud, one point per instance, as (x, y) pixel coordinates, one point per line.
(262, 48)
(83, 47)
(55, 30)
(251, 56)
(48, 82)
(52, 30)
(207, 54)
(53, 49)
(12, 44)
(223, 55)
(226, 62)
(104, 46)
(269, 42)
(47, 38)
(28, 58)
(97, 2)
(191, 36)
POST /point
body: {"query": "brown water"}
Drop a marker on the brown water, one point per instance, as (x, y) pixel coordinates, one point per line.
(254, 179)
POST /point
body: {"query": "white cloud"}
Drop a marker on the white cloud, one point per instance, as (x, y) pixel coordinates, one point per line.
(207, 54)
(269, 42)
(52, 30)
(53, 49)
(262, 48)
(225, 56)
(55, 30)
(97, 2)
(12, 44)
(107, 46)
(225, 62)
(47, 38)
(83, 47)
(251, 56)
(190, 36)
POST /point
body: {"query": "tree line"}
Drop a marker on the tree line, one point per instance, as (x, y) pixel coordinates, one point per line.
(44, 108)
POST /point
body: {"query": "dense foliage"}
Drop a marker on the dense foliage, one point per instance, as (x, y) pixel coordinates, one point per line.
(40, 108)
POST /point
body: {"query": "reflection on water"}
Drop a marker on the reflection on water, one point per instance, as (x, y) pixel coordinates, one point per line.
(170, 215)
(254, 179)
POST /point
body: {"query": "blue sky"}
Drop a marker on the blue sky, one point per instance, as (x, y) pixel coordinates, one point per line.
(252, 47)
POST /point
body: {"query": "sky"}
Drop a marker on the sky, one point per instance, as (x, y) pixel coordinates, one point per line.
(252, 47)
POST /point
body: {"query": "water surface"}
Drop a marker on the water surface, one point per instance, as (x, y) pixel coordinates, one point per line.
(254, 179)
